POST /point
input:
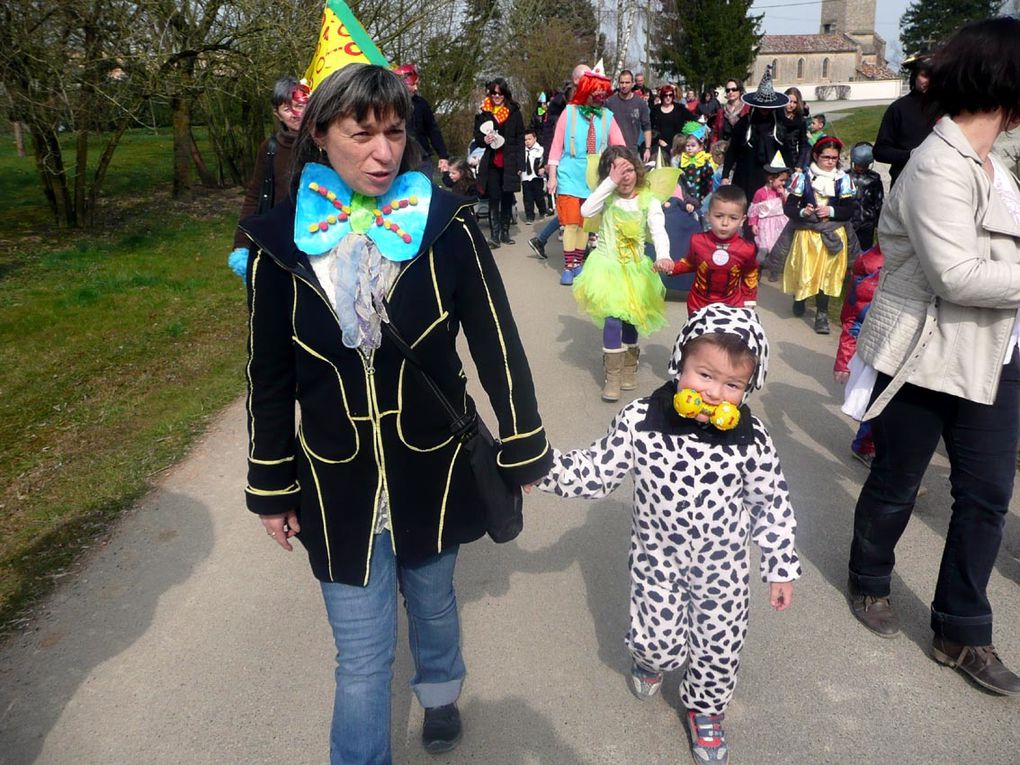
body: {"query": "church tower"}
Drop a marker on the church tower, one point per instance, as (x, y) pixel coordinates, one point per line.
(855, 19)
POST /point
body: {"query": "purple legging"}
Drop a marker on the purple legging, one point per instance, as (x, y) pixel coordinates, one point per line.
(616, 333)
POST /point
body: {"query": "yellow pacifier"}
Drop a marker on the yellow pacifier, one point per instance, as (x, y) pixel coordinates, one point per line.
(688, 403)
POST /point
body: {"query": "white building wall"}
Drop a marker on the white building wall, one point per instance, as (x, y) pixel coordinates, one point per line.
(859, 90)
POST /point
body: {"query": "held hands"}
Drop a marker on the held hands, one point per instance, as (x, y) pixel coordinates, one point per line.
(780, 595)
(444, 165)
(841, 377)
(282, 527)
(664, 266)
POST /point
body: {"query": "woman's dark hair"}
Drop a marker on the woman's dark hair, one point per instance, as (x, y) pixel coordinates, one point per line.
(978, 70)
(800, 100)
(503, 88)
(354, 91)
(283, 91)
(613, 153)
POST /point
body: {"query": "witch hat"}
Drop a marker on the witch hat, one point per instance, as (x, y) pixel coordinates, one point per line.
(765, 97)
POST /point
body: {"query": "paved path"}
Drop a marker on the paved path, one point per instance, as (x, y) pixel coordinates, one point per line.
(190, 638)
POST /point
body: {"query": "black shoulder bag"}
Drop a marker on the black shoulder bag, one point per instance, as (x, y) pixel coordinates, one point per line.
(268, 194)
(502, 503)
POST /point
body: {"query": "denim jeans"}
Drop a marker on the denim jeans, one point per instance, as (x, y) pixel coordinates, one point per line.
(981, 441)
(364, 624)
(550, 228)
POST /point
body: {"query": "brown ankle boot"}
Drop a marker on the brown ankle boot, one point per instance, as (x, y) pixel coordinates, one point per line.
(628, 379)
(613, 364)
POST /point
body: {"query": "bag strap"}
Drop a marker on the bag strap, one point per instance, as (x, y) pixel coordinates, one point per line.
(463, 425)
(266, 198)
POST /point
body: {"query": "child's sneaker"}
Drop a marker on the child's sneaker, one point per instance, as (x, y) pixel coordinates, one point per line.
(708, 740)
(645, 683)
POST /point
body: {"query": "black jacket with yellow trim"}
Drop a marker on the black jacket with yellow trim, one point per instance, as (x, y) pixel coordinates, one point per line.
(370, 424)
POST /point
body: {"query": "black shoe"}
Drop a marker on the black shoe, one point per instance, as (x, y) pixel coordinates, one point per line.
(494, 243)
(505, 236)
(822, 324)
(875, 613)
(799, 306)
(442, 729)
(538, 247)
(981, 663)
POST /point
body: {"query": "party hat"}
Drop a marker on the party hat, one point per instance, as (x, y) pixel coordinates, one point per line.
(777, 165)
(342, 41)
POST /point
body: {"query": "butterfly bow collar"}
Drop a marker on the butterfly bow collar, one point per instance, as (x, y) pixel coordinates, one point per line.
(328, 210)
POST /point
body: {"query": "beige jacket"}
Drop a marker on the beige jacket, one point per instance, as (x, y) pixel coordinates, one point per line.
(949, 291)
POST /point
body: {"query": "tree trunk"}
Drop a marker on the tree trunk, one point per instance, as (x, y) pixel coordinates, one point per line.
(19, 138)
(207, 178)
(181, 107)
(104, 163)
(50, 166)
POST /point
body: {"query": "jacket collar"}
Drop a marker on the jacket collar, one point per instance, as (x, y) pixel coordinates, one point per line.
(273, 231)
(950, 132)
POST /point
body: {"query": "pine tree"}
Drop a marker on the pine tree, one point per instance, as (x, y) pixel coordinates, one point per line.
(706, 42)
(927, 23)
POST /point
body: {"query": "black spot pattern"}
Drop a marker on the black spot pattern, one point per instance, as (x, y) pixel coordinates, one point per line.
(697, 505)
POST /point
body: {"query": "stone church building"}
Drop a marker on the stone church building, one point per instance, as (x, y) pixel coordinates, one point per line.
(845, 60)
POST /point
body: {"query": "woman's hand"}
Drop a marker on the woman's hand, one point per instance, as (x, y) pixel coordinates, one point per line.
(841, 378)
(664, 266)
(282, 527)
(780, 595)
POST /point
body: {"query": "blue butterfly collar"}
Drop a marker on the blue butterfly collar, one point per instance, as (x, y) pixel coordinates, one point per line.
(328, 209)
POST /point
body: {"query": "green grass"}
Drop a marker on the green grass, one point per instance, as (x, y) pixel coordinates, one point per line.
(860, 124)
(115, 348)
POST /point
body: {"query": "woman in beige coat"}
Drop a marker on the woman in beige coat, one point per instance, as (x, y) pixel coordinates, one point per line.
(938, 353)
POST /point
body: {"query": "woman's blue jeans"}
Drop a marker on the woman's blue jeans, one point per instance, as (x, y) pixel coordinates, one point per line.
(364, 624)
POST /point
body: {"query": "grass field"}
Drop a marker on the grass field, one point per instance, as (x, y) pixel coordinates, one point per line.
(115, 347)
(858, 125)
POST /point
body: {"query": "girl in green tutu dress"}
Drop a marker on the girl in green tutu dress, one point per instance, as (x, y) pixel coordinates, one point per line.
(618, 286)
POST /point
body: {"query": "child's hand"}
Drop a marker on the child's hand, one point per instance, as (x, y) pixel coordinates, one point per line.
(754, 229)
(664, 266)
(841, 377)
(620, 166)
(780, 595)
(807, 211)
(823, 211)
(527, 487)
(689, 207)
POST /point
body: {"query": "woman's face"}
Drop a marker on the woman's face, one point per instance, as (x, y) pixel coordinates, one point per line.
(497, 95)
(667, 100)
(366, 154)
(289, 113)
(791, 107)
(732, 91)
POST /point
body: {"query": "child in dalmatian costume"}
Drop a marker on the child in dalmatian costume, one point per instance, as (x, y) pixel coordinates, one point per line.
(700, 494)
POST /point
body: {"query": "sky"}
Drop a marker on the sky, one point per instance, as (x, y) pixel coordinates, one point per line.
(798, 17)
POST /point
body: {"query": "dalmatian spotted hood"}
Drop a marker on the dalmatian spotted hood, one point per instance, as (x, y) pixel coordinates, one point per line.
(725, 319)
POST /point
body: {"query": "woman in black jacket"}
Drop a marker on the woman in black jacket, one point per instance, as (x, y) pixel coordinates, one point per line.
(499, 127)
(791, 127)
(371, 481)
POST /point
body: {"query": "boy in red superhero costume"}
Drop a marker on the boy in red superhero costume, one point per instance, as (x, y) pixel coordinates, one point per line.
(724, 264)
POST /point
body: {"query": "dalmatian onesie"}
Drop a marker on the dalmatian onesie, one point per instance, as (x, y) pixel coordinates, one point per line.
(699, 495)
